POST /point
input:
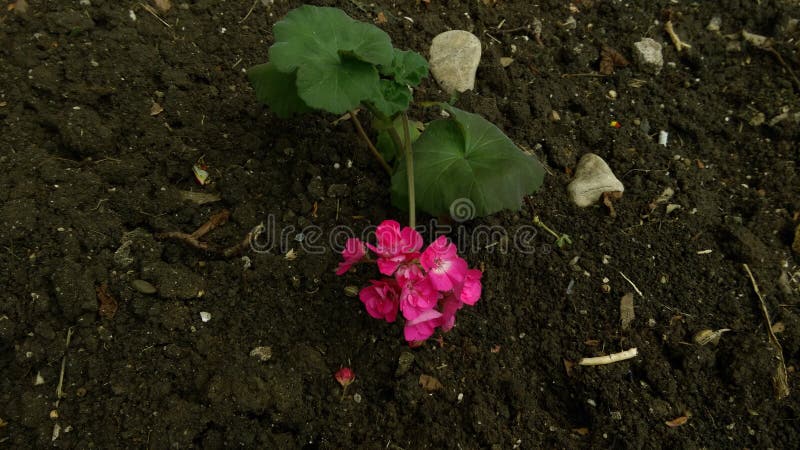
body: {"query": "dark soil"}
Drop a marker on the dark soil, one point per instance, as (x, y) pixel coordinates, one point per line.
(89, 176)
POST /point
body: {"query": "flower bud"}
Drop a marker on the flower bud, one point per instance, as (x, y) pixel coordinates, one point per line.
(345, 376)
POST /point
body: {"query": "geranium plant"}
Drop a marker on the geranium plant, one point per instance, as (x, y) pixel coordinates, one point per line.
(324, 60)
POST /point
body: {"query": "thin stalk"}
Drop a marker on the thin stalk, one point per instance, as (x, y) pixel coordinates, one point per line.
(412, 202)
(366, 139)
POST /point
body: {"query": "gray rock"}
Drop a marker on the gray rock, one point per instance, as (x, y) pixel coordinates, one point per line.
(593, 177)
(144, 287)
(647, 54)
(455, 56)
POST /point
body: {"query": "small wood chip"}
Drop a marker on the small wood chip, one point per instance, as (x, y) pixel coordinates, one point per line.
(108, 304)
(381, 19)
(429, 383)
(609, 359)
(626, 313)
(156, 109)
(678, 421)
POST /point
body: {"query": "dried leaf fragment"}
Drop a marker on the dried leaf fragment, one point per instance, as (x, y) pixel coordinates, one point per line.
(678, 421)
(201, 198)
(568, 366)
(581, 431)
(381, 19)
(608, 201)
(626, 313)
(610, 59)
(156, 109)
(704, 337)
(429, 383)
(108, 304)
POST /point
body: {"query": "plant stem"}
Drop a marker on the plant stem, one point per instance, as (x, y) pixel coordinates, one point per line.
(412, 202)
(372, 148)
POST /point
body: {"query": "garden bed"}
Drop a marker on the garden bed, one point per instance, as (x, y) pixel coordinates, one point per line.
(105, 110)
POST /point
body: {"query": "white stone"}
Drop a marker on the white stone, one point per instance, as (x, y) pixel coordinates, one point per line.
(647, 54)
(455, 56)
(593, 177)
(263, 353)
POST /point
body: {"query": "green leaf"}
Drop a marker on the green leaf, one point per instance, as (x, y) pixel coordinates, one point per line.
(407, 67)
(277, 90)
(392, 98)
(466, 156)
(334, 55)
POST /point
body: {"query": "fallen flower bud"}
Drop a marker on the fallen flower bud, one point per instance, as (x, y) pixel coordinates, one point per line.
(345, 376)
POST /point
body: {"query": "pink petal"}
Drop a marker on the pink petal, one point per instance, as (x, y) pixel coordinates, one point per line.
(470, 291)
(422, 327)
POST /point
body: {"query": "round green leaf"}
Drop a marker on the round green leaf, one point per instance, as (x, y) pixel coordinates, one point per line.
(276, 89)
(334, 55)
(466, 156)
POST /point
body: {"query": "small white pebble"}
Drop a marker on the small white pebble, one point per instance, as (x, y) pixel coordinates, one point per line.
(39, 380)
(222, 30)
(357, 398)
(612, 94)
(336, 165)
(662, 138)
(132, 15)
(460, 397)
(205, 316)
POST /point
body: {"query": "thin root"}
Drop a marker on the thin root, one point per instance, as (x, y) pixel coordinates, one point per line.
(676, 40)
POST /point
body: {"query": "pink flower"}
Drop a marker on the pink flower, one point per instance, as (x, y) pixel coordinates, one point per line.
(445, 268)
(345, 376)
(408, 272)
(449, 306)
(422, 327)
(395, 246)
(416, 296)
(354, 251)
(381, 299)
(470, 291)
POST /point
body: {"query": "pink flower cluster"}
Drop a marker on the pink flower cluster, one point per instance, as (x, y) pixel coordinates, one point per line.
(428, 287)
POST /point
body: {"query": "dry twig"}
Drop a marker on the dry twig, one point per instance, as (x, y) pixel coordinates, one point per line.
(781, 380)
(609, 359)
